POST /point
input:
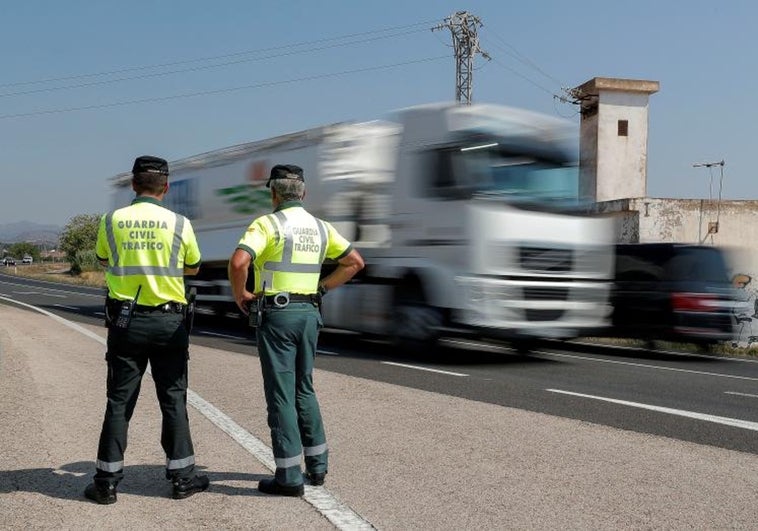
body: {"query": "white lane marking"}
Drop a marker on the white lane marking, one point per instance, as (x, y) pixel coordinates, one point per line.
(98, 313)
(648, 366)
(216, 334)
(27, 292)
(66, 307)
(422, 368)
(82, 293)
(327, 353)
(727, 421)
(740, 394)
(341, 515)
(667, 352)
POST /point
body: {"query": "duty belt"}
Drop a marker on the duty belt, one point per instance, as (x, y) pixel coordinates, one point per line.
(281, 300)
(169, 307)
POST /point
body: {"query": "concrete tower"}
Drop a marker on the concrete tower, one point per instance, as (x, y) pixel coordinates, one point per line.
(613, 143)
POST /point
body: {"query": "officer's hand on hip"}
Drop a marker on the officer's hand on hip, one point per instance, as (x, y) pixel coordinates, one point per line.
(245, 300)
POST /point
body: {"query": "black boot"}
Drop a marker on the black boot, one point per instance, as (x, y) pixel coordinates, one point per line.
(101, 492)
(316, 478)
(184, 488)
(270, 486)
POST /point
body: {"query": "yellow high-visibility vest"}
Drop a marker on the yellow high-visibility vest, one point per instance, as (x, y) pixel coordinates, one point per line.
(147, 245)
(288, 248)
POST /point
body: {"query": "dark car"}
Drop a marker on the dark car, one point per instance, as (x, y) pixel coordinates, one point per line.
(672, 292)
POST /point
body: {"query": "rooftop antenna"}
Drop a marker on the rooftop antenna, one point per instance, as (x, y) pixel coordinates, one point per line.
(713, 226)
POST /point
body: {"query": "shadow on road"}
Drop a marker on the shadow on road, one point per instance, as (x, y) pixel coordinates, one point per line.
(68, 481)
(446, 353)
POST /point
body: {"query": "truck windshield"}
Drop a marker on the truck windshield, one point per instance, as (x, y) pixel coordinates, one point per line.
(489, 169)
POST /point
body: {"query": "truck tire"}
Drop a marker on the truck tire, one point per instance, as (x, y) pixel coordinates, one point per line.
(417, 327)
(524, 347)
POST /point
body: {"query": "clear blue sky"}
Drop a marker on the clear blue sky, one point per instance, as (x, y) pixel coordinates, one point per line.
(54, 166)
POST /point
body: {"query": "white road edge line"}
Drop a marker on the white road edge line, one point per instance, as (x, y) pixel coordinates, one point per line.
(342, 516)
(726, 421)
(422, 368)
(647, 366)
(740, 394)
(83, 294)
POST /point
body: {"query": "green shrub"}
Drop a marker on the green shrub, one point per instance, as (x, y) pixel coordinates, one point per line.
(85, 260)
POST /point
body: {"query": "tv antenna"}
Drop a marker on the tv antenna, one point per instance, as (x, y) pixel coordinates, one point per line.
(713, 226)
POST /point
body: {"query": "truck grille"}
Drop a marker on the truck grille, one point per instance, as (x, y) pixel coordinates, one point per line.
(543, 315)
(545, 294)
(546, 259)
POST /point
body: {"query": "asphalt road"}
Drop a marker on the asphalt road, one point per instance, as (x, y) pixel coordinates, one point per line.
(470, 437)
(702, 399)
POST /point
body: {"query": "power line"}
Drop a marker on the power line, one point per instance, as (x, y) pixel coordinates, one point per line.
(519, 56)
(214, 58)
(217, 91)
(204, 67)
(522, 76)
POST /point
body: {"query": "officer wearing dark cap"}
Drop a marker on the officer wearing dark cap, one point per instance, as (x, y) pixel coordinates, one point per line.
(287, 249)
(147, 249)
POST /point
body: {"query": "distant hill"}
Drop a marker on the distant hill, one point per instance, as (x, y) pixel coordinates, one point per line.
(27, 231)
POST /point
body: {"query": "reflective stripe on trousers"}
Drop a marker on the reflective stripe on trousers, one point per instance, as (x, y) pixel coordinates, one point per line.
(176, 464)
(310, 451)
(115, 466)
(286, 462)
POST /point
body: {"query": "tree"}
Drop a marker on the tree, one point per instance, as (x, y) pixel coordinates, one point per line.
(79, 236)
(18, 250)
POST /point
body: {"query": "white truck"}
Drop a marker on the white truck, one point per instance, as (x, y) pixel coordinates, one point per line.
(466, 216)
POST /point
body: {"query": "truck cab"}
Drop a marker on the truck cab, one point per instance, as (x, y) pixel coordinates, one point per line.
(484, 232)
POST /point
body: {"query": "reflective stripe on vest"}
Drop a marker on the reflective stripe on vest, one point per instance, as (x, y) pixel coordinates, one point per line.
(173, 269)
(286, 265)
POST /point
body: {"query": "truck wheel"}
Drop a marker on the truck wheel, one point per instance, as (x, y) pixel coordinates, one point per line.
(524, 346)
(417, 327)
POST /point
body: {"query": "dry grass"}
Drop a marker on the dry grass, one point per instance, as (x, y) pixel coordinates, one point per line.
(719, 349)
(57, 272)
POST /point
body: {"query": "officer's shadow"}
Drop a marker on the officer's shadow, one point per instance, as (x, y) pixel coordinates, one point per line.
(68, 481)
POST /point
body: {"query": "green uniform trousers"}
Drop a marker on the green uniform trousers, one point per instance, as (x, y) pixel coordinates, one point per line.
(160, 338)
(287, 339)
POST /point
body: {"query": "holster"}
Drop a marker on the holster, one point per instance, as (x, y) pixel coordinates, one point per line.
(189, 310)
(118, 314)
(112, 309)
(255, 312)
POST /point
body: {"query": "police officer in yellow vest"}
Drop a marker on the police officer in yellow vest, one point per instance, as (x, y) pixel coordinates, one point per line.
(147, 250)
(287, 249)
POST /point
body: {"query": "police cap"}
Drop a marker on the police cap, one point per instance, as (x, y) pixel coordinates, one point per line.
(285, 171)
(149, 164)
